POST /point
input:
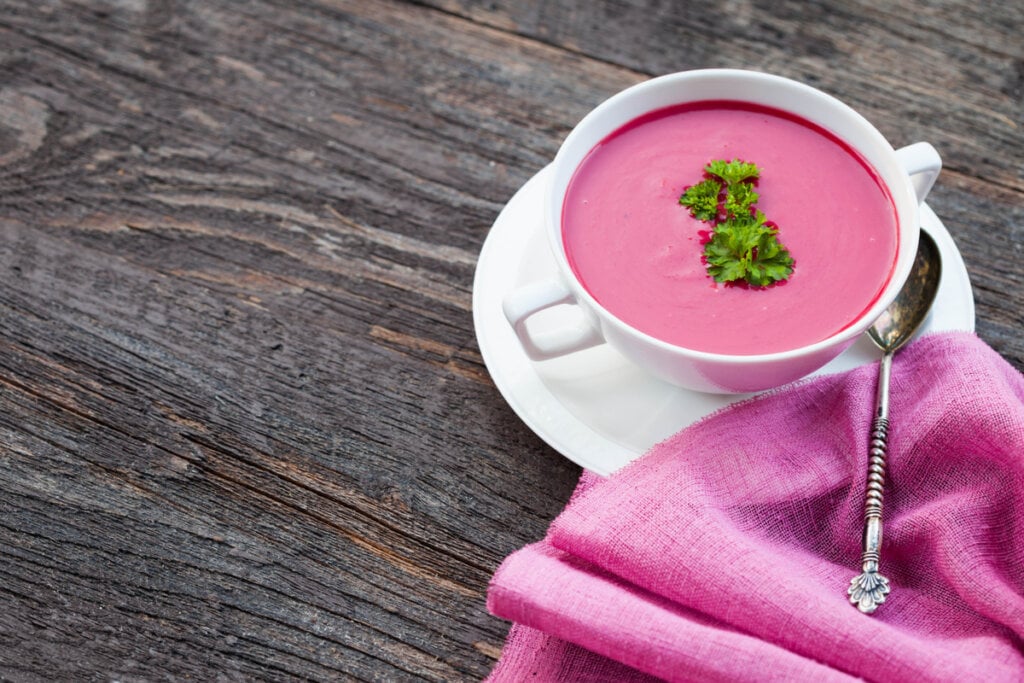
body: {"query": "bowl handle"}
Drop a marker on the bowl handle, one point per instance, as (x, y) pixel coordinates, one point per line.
(922, 163)
(520, 304)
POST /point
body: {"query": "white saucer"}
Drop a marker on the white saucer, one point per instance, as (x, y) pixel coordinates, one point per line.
(594, 406)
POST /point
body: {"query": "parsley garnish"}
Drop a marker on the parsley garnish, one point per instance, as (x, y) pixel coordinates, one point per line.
(702, 199)
(739, 199)
(745, 248)
(743, 244)
(734, 171)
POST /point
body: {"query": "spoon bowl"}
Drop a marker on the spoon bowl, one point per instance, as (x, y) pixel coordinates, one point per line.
(897, 325)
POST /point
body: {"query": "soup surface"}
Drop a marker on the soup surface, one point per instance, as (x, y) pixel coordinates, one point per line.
(639, 253)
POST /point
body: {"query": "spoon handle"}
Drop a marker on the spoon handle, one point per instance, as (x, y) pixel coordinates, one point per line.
(868, 590)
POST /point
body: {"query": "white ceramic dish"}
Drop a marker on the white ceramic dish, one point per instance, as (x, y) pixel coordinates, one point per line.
(595, 407)
(907, 175)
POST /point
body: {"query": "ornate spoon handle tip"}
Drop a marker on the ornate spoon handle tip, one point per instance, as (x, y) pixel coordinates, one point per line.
(868, 590)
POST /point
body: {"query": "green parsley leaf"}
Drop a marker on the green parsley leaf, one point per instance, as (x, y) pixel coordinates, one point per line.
(743, 245)
(702, 199)
(725, 258)
(771, 263)
(739, 198)
(731, 248)
(734, 171)
(745, 248)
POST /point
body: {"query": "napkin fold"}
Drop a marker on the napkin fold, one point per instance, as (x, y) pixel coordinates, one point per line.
(725, 552)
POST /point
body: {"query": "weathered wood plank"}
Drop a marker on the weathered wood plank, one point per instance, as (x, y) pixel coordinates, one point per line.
(219, 336)
(296, 444)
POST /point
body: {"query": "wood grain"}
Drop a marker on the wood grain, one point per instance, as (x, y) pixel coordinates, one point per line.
(245, 428)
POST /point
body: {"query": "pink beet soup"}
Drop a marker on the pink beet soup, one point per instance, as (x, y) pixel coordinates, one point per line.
(638, 252)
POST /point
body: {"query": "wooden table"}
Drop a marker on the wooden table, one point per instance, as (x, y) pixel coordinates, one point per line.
(245, 427)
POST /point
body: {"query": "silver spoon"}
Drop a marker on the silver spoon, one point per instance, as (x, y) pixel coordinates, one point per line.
(891, 331)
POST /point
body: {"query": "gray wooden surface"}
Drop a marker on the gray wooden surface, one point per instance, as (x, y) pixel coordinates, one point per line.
(245, 428)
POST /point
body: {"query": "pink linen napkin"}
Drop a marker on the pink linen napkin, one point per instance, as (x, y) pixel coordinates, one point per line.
(725, 552)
